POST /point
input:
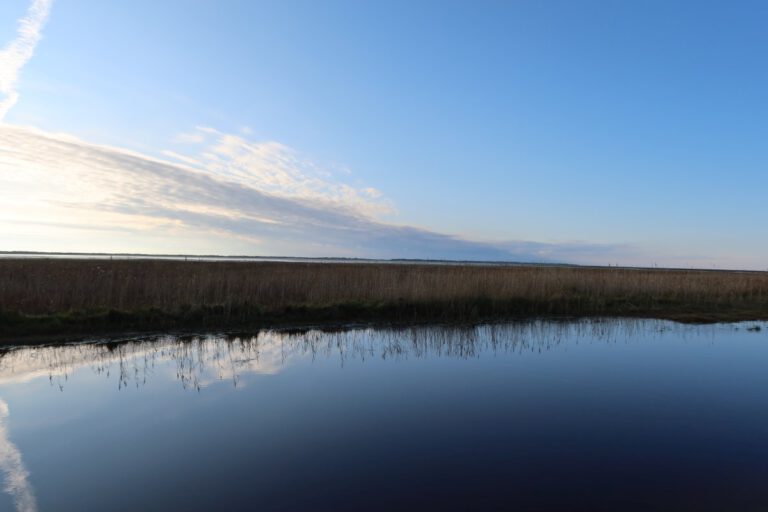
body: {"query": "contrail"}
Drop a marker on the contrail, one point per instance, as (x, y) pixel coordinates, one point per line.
(16, 475)
(18, 52)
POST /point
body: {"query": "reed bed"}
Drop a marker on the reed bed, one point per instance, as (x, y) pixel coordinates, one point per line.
(175, 292)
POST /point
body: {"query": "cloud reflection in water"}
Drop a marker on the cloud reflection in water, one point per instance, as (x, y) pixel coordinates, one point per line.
(198, 361)
(16, 475)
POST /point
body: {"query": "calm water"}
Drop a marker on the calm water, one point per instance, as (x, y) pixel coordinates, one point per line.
(538, 416)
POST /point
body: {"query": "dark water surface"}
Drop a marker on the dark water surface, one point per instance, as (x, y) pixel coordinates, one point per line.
(589, 415)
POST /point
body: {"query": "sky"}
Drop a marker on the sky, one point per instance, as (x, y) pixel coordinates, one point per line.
(591, 132)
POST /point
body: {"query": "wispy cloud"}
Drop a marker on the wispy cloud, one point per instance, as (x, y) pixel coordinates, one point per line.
(261, 194)
(276, 169)
(17, 53)
(16, 474)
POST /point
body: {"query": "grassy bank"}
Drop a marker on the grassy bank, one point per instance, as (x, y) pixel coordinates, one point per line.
(50, 296)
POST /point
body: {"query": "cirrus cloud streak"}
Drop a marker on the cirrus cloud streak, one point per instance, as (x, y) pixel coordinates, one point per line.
(17, 53)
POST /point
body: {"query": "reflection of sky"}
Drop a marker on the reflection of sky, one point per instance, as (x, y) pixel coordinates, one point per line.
(195, 362)
(298, 403)
(198, 361)
(16, 475)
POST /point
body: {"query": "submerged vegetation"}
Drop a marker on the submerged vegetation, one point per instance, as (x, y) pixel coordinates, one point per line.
(60, 296)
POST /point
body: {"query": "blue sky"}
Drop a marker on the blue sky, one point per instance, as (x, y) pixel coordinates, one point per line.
(590, 132)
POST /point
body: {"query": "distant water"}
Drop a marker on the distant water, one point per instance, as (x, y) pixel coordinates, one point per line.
(285, 259)
(588, 415)
(174, 257)
(274, 259)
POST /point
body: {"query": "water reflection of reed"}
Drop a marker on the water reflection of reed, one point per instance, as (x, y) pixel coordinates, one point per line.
(197, 361)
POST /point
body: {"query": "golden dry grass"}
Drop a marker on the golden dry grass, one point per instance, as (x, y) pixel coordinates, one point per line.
(51, 286)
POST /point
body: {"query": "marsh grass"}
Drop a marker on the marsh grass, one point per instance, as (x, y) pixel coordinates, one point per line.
(46, 295)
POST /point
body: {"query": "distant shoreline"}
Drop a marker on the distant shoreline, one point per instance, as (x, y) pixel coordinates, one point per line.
(50, 297)
(335, 259)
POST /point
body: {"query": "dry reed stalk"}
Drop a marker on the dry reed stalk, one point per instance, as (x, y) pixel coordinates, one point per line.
(48, 286)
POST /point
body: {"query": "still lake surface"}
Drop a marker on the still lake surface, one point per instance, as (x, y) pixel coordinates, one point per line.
(592, 415)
